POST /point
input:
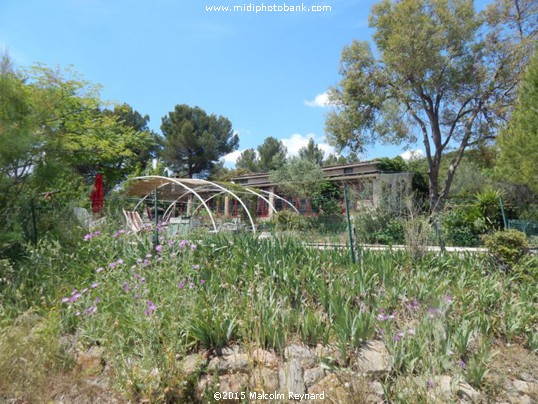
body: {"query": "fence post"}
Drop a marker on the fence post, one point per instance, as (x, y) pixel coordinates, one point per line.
(502, 212)
(349, 230)
(156, 219)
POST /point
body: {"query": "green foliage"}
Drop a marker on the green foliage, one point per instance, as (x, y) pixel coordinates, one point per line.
(271, 155)
(507, 247)
(425, 79)
(312, 152)
(248, 161)
(298, 177)
(195, 141)
(518, 143)
(327, 198)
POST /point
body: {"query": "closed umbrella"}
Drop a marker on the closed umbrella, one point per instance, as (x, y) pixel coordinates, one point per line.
(97, 196)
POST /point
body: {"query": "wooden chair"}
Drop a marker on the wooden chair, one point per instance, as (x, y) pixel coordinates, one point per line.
(133, 221)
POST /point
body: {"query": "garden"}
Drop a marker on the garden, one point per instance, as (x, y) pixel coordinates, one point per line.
(118, 318)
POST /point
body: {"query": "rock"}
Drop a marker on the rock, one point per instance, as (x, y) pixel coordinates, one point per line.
(235, 382)
(377, 388)
(465, 391)
(232, 350)
(228, 364)
(265, 235)
(312, 376)
(334, 390)
(264, 379)
(523, 387)
(192, 363)
(265, 358)
(374, 358)
(440, 387)
(515, 399)
(526, 377)
(304, 355)
(290, 377)
(91, 361)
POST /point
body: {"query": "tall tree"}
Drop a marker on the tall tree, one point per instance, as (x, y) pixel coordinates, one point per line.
(312, 152)
(445, 75)
(518, 143)
(194, 141)
(271, 154)
(248, 161)
(298, 177)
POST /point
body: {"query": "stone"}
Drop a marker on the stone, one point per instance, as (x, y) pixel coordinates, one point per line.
(526, 377)
(465, 391)
(523, 387)
(374, 358)
(313, 375)
(264, 379)
(235, 382)
(304, 355)
(192, 363)
(229, 364)
(515, 399)
(290, 377)
(91, 361)
(334, 391)
(232, 350)
(265, 358)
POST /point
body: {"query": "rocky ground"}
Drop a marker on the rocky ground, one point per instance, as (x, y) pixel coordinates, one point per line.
(314, 375)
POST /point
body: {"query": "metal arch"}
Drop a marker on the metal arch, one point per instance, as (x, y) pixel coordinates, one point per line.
(178, 182)
(238, 199)
(246, 190)
(283, 199)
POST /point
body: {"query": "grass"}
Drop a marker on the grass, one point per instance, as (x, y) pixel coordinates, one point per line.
(438, 314)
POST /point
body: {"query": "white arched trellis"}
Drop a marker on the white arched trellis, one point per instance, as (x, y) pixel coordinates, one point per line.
(177, 181)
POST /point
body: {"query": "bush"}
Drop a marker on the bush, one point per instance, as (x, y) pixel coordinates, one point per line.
(507, 247)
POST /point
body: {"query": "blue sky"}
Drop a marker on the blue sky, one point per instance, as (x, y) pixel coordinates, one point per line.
(262, 71)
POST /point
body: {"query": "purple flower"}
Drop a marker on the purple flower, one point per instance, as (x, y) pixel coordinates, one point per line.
(97, 233)
(142, 280)
(147, 262)
(448, 298)
(399, 336)
(191, 285)
(139, 260)
(119, 262)
(414, 305)
(77, 313)
(65, 300)
(151, 308)
(181, 285)
(202, 281)
(170, 243)
(462, 364)
(136, 276)
(91, 310)
(193, 247)
(96, 300)
(196, 266)
(99, 270)
(84, 290)
(74, 298)
(88, 237)
(431, 384)
(126, 286)
(183, 244)
(112, 265)
(94, 285)
(159, 248)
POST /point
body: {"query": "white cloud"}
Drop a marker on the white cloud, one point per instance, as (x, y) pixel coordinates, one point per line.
(412, 154)
(231, 158)
(297, 141)
(321, 100)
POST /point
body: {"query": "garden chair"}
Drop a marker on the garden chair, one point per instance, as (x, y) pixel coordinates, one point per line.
(85, 218)
(133, 221)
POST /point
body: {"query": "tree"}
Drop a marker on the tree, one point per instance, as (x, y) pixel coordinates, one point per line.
(518, 143)
(298, 177)
(248, 161)
(335, 159)
(312, 152)
(445, 74)
(271, 154)
(194, 141)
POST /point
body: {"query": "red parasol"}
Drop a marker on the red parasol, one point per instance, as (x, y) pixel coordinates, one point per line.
(98, 194)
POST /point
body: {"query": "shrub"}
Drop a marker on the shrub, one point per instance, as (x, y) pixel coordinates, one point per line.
(507, 247)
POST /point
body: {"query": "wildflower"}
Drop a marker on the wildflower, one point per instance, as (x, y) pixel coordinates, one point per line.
(142, 280)
(119, 262)
(97, 233)
(159, 248)
(65, 300)
(170, 243)
(139, 260)
(96, 300)
(112, 265)
(99, 270)
(149, 255)
(126, 286)
(191, 285)
(411, 331)
(91, 310)
(448, 298)
(193, 247)
(136, 276)
(462, 364)
(414, 305)
(151, 308)
(77, 313)
(202, 281)
(181, 285)
(147, 262)
(74, 298)
(183, 244)
(431, 384)
(137, 296)
(196, 266)
(88, 237)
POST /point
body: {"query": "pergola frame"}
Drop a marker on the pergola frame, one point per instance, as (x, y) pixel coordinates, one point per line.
(148, 185)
